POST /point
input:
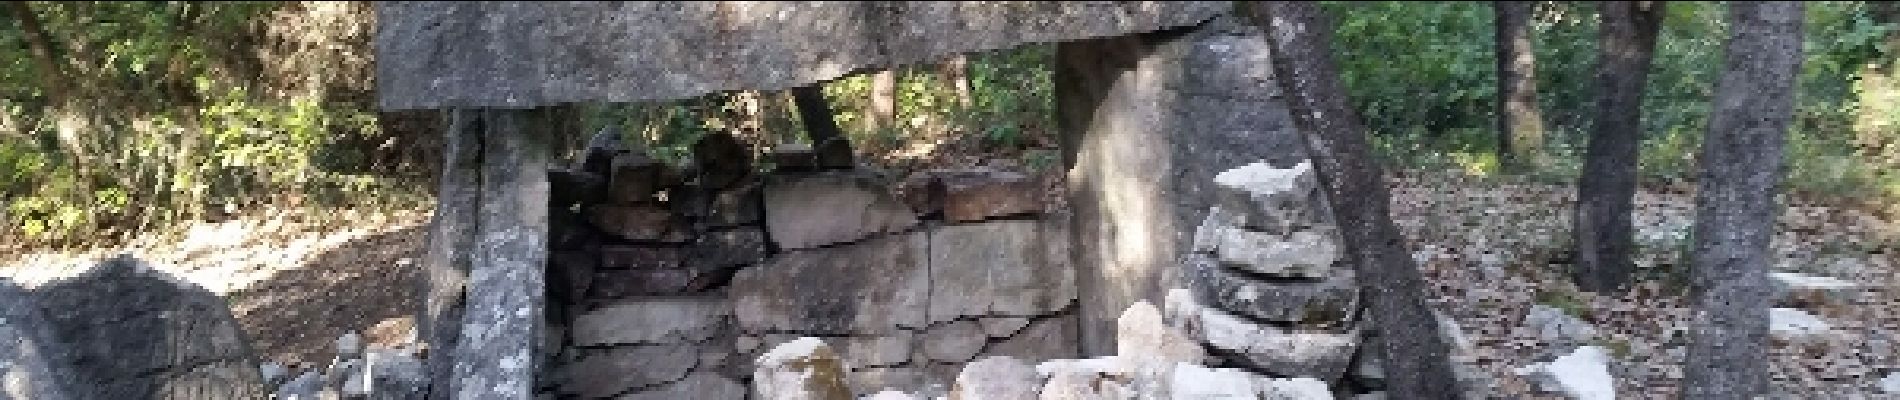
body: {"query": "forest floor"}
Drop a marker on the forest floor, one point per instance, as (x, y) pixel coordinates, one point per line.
(1491, 248)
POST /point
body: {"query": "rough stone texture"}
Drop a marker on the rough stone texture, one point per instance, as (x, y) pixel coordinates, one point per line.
(975, 194)
(1274, 350)
(803, 369)
(743, 204)
(728, 248)
(1802, 289)
(606, 372)
(868, 287)
(31, 358)
(653, 321)
(1327, 302)
(1261, 197)
(1557, 327)
(696, 386)
(722, 160)
(1891, 383)
(996, 378)
(635, 178)
(1793, 324)
(622, 283)
(821, 209)
(879, 351)
(1002, 268)
(1294, 389)
(495, 357)
(1044, 339)
(1194, 382)
(1582, 375)
(639, 222)
(998, 327)
(1302, 254)
(575, 186)
(869, 380)
(452, 234)
(130, 331)
(466, 54)
(640, 257)
(1146, 123)
(956, 341)
(1142, 334)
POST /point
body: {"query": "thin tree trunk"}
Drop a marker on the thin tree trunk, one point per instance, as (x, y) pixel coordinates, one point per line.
(833, 148)
(1520, 123)
(883, 110)
(1741, 168)
(1606, 191)
(68, 123)
(1415, 356)
(956, 71)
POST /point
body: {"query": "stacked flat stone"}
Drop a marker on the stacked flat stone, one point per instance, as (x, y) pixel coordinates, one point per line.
(1265, 289)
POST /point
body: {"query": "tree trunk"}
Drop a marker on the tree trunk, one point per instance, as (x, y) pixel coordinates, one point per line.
(69, 124)
(1606, 191)
(1415, 356)
(956, 72)
(833, 148)
(1520, 124)
(883, 110)
(1741, 167)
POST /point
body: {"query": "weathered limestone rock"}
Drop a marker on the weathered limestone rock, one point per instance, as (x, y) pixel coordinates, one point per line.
(394, 374)
(1301, 354)
(695, 386)
(1143, 335)
(1294, 389)
(728, 248)
(1000, 268)
(875, 379)
(1260, 197)
(1047, 338)
(1301, 254)
(976, 194)
(131, 331)
(1194, 382)
(1326, 302)
(653, 321)
(956, 341)
(998, 327)
(31, 357)
(639, 222)
(1148, 121)
(803, 369)
(809, 211)
(1583, 374)
(870, 287)
(635, 178)
(879, 351)
(996, 378)
(514, 55)
(603, 373)
(1794, 324)
(1557, 327)
(1801, 289)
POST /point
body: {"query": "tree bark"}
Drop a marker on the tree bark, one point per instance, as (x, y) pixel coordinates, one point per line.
(1520, 123)
(1741, 169)
(1606, 191)
(47, 58)
(1415, 356)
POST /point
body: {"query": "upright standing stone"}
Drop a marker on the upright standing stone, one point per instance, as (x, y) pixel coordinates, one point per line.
(496, 355)
(1147, 121)
(451, 246)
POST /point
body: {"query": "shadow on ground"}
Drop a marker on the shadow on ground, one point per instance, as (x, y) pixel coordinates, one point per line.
(296, 315)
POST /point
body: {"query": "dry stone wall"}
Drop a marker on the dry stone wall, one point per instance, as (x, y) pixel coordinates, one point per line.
(675, 281)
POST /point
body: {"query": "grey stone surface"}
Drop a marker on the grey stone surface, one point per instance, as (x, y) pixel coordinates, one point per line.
(1583, 375)
(639, 222)
(871, 380)
(1194, 382)
(1047, 338)
(1000, 268)
(978, 193)
(653, 321)
(1325, 302)
(998, 327)
(130, 331)
(304, 387)
(869, 287)
(1263, 197)
(1141, 334)
(695, 386)
(1556, 327)
(957, 341)
(1148, 122)
(32, 359)
(495, 356)
(878, 351)
(601, 373)
(1803, 289)
(468, 54)
(1794, 324)
(1323, 355)
(996, 378)
(1301, 254)
(394, 374)
(1294, 389)
(803, 369)
(806, 211)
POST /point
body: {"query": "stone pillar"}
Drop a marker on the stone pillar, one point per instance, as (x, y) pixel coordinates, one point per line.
(486, 256)
(1146, 123)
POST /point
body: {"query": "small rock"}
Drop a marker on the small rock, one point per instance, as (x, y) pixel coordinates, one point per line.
(997, 327)
(816, 210)
(1309, 303)
(601, 373)
(1367, 370)
(1801, 289)
(1789, 323)
(1274, 350)
(954, 342)
(794, 157)
(803, 369)
(635, 178)
(1141, 334)
(1294, 389)
(1553, 325)
(996, 378)
(697, 386)
(1583, 374)
(272, 372)
(879, 351)
(304, 387)
(1260, 197)
(1891, 383)
(1302, 254)
(349, 345)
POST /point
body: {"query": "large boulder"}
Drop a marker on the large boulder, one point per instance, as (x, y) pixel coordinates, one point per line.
(134, 332)
(807, 211)
(31, 357)
(871, 287)
(437, 55)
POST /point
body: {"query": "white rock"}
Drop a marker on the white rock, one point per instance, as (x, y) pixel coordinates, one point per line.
(802, 369)
(1583, 374)
(1789, 323)
(1294, 389)
(1552, 324)
(1263, 179)
(349, 344)
(272, 371)
(1891, 383)
(1194, 382)
(891, 395)
(1795, 286)
(996, 378)
(1141, 333)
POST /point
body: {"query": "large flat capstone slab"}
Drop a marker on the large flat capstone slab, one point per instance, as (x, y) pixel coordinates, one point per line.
(529, 54)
